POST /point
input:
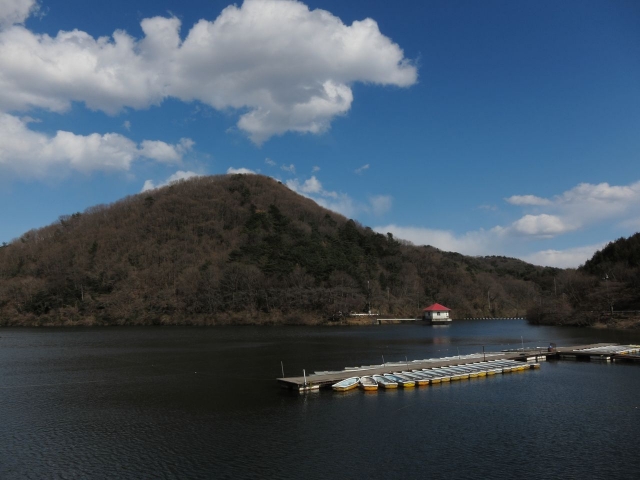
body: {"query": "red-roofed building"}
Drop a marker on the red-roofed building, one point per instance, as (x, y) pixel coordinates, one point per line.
(436, 314)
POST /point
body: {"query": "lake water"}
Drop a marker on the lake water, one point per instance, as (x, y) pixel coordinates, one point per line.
(140, 403)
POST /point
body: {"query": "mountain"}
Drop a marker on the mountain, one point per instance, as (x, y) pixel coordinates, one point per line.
(240, 249)
(604, 292)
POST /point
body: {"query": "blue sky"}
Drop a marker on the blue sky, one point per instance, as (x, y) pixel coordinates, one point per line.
(488, 128)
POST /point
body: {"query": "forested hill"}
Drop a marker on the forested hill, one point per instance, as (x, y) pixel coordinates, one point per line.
(240, 249)
(605, 291)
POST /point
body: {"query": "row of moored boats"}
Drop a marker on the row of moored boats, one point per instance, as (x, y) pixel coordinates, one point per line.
(427, 376)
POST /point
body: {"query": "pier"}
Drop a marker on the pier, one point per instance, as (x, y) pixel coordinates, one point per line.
(596, 352)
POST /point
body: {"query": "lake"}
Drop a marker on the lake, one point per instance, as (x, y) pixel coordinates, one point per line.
(174, 402)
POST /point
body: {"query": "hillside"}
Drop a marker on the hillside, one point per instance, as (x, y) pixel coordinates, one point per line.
(241, 249)
(604, 292)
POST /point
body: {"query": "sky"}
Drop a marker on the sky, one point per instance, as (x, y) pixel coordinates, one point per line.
(486, 128)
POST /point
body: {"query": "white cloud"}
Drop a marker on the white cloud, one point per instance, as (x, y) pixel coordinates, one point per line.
(568, 258)
(127, 125)
(360, 170)
(311, 185)
(540, 225)
(34, 154)
(480, 242)
(16, 11)
(315, 169)
(289, 168)
(240, 171)
(579, 208)
(584, 205)
(380, 204)
(287, 67)
(337, 201)
(527, 200)
(164, 152)
(489, 242)
(176, 177)
(269, 162)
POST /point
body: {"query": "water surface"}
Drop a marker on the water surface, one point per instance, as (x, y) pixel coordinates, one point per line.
(203, 403)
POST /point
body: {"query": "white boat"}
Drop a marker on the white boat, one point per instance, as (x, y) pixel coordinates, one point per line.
(419, 379)
(404, 382)
(368, 383)
(346, 384)
(385, 382)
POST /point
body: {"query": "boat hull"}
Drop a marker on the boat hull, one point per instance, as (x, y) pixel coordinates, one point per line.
(344, 389)
(346, 385)
(368, 383)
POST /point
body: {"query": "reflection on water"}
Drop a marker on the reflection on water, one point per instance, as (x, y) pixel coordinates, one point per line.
(203, 403)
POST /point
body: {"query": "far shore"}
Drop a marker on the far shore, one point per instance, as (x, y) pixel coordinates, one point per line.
(583, 321)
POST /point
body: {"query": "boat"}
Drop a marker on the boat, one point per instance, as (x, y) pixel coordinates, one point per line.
(346, 384)
(368, 383)
(420, 379)
(385, 382)
(404, 382)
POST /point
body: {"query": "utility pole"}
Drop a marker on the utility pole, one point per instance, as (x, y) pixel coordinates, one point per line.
(606, 282)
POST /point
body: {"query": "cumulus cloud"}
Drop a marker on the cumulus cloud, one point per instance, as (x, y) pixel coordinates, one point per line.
(471, 243)
(289, 168)
(34, 154)
(585, 204)
(581, 207)
(315, 169)
(311, 185)
(567, 258)
(240, 171)
(286, 67)
(489, 242)
(269, 162)
(176, 177)
(338, 201)
(16, 11)
(164, 152)
(540, 226)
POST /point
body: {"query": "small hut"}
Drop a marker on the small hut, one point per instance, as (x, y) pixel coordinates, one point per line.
(436, 314)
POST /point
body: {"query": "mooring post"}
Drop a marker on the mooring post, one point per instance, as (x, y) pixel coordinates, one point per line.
(484, 357)
(305, 377)
(282, 366)
(383, 360)
(522, 340)
(406, 361)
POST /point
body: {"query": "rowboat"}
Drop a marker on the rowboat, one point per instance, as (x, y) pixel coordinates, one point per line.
(385, 382)
(440, 374)
(403, 381)
(368, 383)
(419, 379)
(347, 384)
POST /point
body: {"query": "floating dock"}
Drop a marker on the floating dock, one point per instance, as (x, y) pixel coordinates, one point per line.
(466, 366)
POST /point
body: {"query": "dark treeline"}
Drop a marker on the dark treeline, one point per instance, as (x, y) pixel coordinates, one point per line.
(605, 291)
(241, 249)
